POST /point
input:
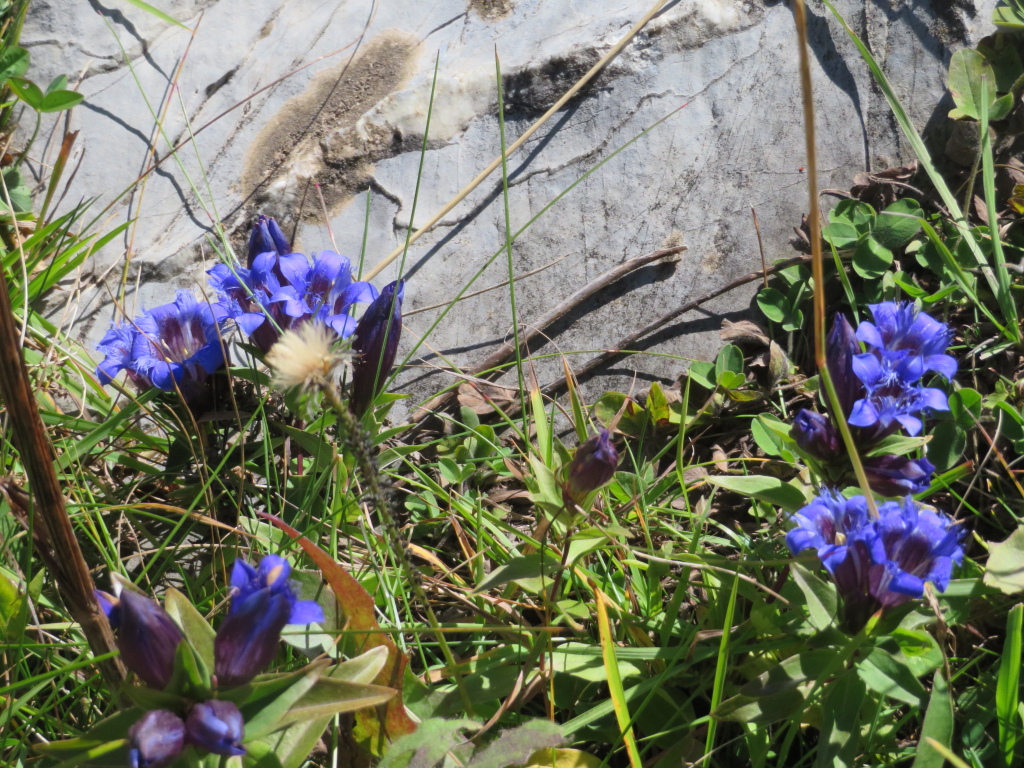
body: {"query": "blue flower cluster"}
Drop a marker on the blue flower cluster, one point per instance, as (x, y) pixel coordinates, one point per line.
(174, 347)
(881, 392)
(882, 562)
(262, 603)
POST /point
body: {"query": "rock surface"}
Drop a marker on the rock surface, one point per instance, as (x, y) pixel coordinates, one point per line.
(338, 94)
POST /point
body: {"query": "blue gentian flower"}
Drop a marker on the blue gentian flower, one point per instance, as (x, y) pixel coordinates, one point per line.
(884, 410)
(262, 604)
(376, 346)
(272, 573)
(909, 343)
(826, 525)
(171, 347)
(146, 636)
(266, 237)
(592, 466)
(216, 726)
(280, 292)
(178, 342)
(877, 563)
(913, 544)
(156, 739)
(904, 344)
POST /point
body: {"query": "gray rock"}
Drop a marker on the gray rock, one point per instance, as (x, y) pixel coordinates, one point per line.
(354, 122)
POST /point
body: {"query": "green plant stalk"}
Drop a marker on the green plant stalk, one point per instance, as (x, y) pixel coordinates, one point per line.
(817, 262)
(988, 179)
(360, 445)
(1008, 686)
(1011, 329)
(722, 664)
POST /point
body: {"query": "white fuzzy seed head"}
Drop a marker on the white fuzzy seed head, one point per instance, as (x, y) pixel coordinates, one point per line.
(306, 357)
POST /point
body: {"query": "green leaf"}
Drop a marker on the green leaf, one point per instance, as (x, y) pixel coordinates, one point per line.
(730, 358)
(871, 259)
(657, 403)
(895, 227)
(1008, 686)
(884, 673)
(937, 726)
(896, 445)
(428, 745)
(634, 418)
(1001, 52)
(774, 304)
(1001, 107)
(701, 372)
(839, 742)
(58, 83)
(1005, 567)
(840, 234)
(779, 692)
(330, 697)
(27, 91)
(197, 630)
(1007, 17)
(268, 719)
(947, 445)
(965, 406)
(772, 435)
(58, 101)
(822, 603)
(965, 71)
(859, 214)
(13, 63)
(1012, 425)
(764, 488)
(13, 611)
(523, 567)
(515, 745)
(920, 651)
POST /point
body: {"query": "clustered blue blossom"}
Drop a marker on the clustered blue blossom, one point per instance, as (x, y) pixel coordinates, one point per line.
(881, 392)
(262, 603)
(175, 347)
(877, 562)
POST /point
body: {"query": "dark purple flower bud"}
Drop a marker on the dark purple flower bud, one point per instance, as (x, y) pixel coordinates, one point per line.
(816, 435)
(376, 344)
(146, 636)
(156, 739)
(217, 727)
(898, 475)
(266, 237)
(841, 347)
(592, 466)
(247, 640)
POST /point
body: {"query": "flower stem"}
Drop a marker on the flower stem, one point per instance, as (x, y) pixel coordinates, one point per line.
(362, 450)
(817, 264)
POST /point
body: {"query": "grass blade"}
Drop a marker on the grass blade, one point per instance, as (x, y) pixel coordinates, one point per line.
(1008, 686)
(615, 690)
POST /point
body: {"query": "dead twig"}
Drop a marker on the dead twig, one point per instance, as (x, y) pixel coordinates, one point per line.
(502, 355)
(43, 510)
